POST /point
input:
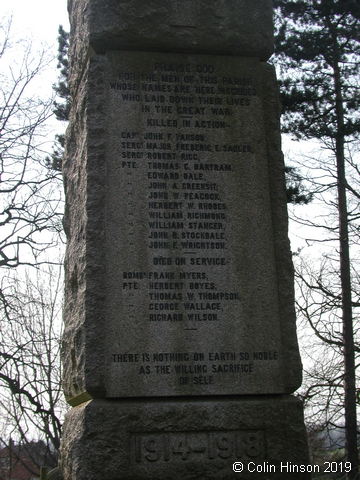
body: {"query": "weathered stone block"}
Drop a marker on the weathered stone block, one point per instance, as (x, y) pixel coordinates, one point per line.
(186, 439)
(245, 26)
(179, 269)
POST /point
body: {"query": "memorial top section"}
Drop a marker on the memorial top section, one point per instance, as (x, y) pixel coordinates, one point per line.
(231, 27)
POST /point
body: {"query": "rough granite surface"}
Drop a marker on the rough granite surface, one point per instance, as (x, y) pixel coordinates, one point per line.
(185, 439)
(164, 93)
(100, 246)
(84, 171)
(245, 26)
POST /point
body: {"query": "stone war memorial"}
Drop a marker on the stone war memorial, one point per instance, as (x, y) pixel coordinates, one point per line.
(180, 352)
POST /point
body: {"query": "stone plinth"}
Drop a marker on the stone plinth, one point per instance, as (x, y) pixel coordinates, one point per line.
(194, 439)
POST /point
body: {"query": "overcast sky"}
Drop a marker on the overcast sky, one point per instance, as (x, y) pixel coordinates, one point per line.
(35, 23)
(36, 19)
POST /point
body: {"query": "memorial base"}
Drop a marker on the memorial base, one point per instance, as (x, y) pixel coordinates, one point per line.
(170, 439)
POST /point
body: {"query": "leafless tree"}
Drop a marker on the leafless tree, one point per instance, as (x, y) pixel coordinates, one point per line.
(30, 197)
(319, 290)
(317, 47)
(30, 231)
(30, 328)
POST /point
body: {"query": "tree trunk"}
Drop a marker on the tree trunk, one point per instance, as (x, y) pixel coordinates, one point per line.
(345, 276)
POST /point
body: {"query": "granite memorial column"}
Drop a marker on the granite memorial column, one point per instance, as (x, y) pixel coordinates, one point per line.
(180, 350)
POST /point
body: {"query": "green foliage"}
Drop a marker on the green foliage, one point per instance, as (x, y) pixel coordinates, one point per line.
(61, 108)
(316, 40)
(317, 52)
(295, 190)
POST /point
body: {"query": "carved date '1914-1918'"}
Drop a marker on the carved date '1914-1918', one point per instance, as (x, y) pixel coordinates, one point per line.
(190, 446)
